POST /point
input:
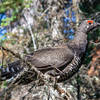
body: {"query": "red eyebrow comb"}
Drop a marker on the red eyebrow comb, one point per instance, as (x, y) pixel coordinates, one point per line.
(90, 21)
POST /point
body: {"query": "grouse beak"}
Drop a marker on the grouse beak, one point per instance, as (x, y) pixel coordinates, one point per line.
(94, 26)
(98, 24)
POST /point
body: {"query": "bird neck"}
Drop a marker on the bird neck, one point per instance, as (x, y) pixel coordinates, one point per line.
(80, 40)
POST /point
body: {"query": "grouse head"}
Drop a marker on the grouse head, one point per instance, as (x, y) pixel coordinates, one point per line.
(88, 25)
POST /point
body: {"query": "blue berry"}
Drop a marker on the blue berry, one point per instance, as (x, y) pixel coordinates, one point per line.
(73, 19)
(73, 14)
(66, 25)
(3, 30)
(2, 16)
(65, 31)
(71, 31)
(71, 37)
(66, 19)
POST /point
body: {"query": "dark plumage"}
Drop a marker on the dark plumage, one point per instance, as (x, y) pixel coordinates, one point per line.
(46, 59)
(65, 58)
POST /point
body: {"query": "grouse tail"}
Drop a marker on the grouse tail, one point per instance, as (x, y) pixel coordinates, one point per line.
(10, 71)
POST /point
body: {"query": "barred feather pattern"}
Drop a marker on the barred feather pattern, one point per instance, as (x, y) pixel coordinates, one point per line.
(70, 70)
(10, 71)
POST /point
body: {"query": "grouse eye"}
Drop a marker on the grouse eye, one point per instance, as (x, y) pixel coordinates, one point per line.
(90, 22)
